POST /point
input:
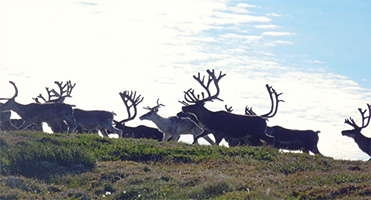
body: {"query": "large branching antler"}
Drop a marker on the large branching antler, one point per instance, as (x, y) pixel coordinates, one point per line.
(65, 90)
(191, 97)
(351, 122)
(274, 104)
(131, 100)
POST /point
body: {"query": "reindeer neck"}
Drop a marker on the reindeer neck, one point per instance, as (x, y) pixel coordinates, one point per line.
(202, 113)
(160, 122)
(363, 142)
(16, 107)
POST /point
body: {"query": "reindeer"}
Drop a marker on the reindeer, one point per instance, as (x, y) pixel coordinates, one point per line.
(221, 123)
(274, 97)
(290, 139)
(8, 124)
(93, 120)
(363, 142)
(131, 100)
(283, 138)
(55, 97)
(89, 121)
(173, 127)
(38, 113)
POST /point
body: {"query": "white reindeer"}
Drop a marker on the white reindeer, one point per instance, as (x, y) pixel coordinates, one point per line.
(173, 127)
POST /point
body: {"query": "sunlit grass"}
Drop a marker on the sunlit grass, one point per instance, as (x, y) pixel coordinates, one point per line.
(35, 165)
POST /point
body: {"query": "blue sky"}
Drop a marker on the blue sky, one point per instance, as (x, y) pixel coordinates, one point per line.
(316, 52)
(335, 33)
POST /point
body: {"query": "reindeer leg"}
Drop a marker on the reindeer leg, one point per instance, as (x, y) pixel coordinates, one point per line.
(208, 139)
(25, 125)
(306, 151)
(315, 150)
(175, 137)
(255, 141)
(115, 130)
(72, 125)
(167, 137)
(202, 134)
(104, 132)
(218, 138)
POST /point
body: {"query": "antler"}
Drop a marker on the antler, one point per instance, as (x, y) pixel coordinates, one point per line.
(191, 97)
(228, 109)
(15, 94)
(249, 111)
(131, 100)
(64, 91)
(274, 109)
(351, 122)
(155, 108)
(41, 96)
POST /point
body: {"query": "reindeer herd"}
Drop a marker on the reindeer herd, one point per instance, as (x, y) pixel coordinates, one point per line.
(194, 119)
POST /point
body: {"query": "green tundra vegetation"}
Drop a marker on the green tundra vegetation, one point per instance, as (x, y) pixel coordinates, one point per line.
(82, 166)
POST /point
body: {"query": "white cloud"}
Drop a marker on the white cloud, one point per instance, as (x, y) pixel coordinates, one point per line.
(273, 15)
(278, 42)
(267, 26)
(314, 61)
(274, 34)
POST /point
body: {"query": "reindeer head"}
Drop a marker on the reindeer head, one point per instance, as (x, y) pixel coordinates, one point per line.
(356, 131)
(194, 102)
(152, 111)
(10, 101)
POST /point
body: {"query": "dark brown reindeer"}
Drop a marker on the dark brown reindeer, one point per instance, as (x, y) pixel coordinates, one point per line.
(289, 139)
(274, 97)
(131, 100)
(35, 113)
(173, 127)
(363, 142)
(8, 124)
(221, 123)
(55, 97)
(89, 121)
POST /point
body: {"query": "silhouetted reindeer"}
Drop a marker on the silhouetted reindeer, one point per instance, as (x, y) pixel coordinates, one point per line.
(38, 113)
(363, 142)
(290, 139)
(221, 123)
(90, 121)
(8, 124)
(274, 97)
(131, 100)
(55, 97)
(173, 127)
(93, 120)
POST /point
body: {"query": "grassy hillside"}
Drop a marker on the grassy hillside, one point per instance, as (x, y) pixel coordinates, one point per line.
(54, 166)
